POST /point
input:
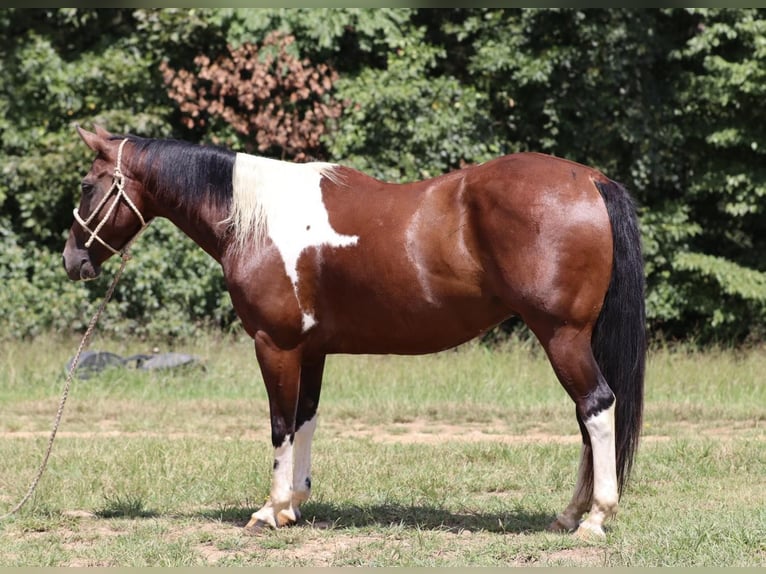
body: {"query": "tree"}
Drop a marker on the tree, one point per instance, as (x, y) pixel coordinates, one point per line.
(721, 90)
(668, 101)
(78, 65)
(274, 102)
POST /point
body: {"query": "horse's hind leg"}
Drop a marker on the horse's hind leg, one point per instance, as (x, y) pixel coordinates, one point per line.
(570, 353)
(582, 498)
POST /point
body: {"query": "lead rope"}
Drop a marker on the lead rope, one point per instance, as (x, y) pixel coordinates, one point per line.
(124, 253)
(91, 326)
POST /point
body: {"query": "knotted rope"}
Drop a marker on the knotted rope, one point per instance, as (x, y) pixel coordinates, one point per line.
(118, 183)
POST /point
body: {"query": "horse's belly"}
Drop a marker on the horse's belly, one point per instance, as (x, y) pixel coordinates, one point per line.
(414, 332)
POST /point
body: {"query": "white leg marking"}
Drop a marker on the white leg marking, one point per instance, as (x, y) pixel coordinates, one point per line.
(284, 201)
(281, 486)
(605, 494)
(302, 464)
(569, 519)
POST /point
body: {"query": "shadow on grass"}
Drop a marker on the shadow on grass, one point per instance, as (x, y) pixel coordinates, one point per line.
(331, 516)
(348, 515)
(125, 506)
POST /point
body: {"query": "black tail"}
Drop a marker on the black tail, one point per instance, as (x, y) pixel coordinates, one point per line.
(619, 337)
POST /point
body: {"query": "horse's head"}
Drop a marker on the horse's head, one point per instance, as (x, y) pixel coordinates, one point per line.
(109, 216)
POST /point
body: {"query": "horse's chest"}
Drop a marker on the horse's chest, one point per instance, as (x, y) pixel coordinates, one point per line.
(287, 201)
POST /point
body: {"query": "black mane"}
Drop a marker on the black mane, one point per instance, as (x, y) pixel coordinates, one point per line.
(185, 173)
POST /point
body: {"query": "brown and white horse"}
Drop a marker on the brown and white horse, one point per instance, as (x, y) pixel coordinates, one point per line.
(320, 259)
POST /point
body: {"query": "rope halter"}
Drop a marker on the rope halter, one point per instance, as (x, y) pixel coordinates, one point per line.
(118, 183)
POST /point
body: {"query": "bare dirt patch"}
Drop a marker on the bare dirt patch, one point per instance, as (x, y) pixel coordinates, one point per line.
(429, 432)
(321, 551)
(414, 432)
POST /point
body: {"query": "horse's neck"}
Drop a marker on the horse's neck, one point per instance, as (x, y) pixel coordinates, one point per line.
(188, 184)
(203, 225)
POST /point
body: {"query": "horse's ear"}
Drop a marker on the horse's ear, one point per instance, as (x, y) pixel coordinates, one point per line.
(93, 141)
(101, 132)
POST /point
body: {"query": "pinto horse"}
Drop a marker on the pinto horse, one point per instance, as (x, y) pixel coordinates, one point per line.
(319, 258)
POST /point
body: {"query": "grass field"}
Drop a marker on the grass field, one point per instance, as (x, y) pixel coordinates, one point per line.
(460, 458)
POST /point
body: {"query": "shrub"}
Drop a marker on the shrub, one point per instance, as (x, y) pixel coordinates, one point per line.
(266, 98)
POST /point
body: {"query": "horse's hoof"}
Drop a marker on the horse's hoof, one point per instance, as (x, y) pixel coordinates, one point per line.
(256, 527)
(590, 532)
(559, 526)
(288, 517)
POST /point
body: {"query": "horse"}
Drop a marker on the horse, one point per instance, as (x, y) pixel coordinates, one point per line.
(321, 259)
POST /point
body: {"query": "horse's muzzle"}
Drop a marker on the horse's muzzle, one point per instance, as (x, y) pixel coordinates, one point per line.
(79, 266)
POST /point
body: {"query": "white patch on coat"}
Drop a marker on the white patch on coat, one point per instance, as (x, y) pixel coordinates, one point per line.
(281, 485)
(283, 201)
(308, 321)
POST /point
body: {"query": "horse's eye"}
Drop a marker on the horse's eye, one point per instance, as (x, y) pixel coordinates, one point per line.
(86, 187)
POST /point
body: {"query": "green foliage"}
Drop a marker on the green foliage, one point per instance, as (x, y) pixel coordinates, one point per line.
(325, 32)
(425, 123)
(665, 233)
(723, 90)
(668, 101)
(171, 289)
(728, 299)
(590, 85)
(34, 299)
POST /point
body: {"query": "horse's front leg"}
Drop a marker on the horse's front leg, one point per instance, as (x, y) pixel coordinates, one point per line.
(305, 425)
(281, 373)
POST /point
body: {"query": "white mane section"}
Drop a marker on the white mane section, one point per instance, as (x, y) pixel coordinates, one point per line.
(283, 201)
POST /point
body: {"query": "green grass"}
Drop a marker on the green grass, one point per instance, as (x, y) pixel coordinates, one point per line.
(418, 461)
